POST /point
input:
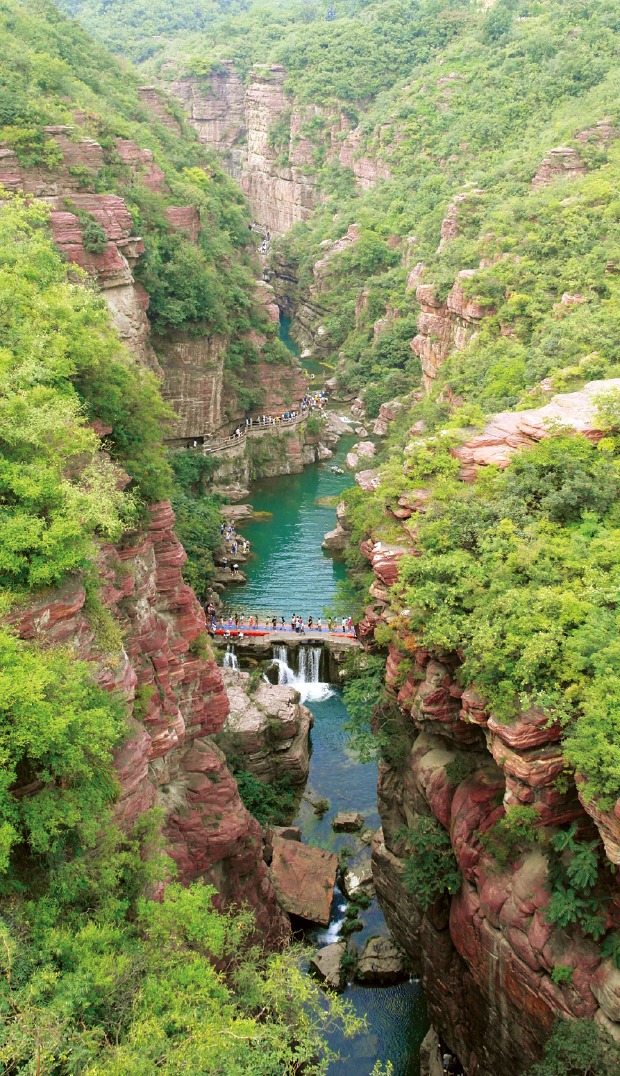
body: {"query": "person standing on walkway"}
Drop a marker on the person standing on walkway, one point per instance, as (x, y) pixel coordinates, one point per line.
(319, 625)
(344, 623)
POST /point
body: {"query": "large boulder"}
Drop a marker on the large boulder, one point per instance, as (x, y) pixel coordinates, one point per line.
(268, 729)
(381, 962)
(336, 541)
(304, 879)
(347, 822)
(327, 964)
(358, 878)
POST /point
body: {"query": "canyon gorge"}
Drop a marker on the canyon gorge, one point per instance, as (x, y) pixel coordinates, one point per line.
(421, 200)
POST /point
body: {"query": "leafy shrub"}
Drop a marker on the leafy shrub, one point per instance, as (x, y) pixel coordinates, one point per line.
(58, 731)
(271, 803)
(94, 236)
(198, 528)
(314, 423)
(578, 1048)
(430, 864)
(459, 769)
(578, 891)
(516, 830)
(562, 974)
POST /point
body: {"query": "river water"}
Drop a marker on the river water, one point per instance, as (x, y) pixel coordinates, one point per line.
(289, 573)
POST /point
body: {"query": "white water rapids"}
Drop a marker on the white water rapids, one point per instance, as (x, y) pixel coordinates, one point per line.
(307, 681)
(230, 659)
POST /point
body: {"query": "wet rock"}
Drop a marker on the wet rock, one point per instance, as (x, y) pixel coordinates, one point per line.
(381, 962)
(347, 822)
(336, 541)
(327, 964)
(304, 879)
(357, 878)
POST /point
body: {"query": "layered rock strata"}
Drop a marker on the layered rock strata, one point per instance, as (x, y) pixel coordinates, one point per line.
(177, 699)
(192, 367)
(265, 143)
(444, 326)
(510, 431)
(488, 954)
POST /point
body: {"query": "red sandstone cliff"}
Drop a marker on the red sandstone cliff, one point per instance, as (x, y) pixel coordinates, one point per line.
(172, 685)
(175, 693)
(487, 955)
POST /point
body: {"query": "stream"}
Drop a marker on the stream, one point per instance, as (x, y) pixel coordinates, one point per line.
(289, 573)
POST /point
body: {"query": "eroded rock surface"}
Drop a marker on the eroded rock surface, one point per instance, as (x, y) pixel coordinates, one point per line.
(304, 879)
(381, 962)
(178, 701)
(268, 729)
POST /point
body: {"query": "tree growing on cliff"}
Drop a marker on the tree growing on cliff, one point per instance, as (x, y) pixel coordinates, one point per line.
(578, 1048)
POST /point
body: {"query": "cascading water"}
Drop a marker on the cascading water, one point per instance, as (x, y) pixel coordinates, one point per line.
(231, 660)
(307, 681)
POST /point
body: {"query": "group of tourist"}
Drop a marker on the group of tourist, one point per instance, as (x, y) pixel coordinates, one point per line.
(234, 544)
(309, 403)
(313, 400)
(239, 622)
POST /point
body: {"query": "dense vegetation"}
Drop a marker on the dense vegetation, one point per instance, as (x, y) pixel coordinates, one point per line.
(51, 68)
(453, 100)
(62, 366)
(95, 975)
(198, 517)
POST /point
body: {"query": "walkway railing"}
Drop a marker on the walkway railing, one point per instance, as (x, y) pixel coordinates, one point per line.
(256, 428)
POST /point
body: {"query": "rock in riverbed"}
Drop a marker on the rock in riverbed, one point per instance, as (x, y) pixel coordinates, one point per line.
(356, 878)
(327, 965)
(268, 729)
(347, 822)
(304, 879)
(381, 962)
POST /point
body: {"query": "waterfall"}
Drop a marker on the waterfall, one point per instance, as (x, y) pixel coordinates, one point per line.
(230, 659)
(307, 681)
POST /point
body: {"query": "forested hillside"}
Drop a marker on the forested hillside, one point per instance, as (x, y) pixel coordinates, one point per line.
(446, 175)
(102, 654)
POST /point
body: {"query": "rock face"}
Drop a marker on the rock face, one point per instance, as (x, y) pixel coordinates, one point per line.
(304, 879)
(510, 431)
(347, 822)
(269, 729)
(178, 702)
(191, 367)
(487, 955)
(263, 140)
(444, 327)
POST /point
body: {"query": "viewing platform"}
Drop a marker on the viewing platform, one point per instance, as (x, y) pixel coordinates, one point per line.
(261, 640)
